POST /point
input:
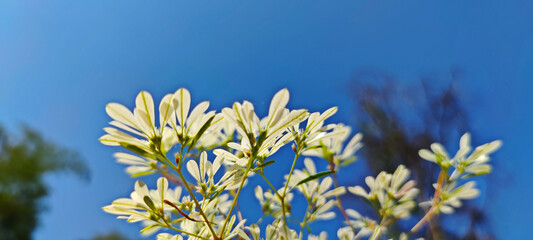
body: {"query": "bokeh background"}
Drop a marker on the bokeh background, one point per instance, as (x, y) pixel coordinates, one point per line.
(61, 62)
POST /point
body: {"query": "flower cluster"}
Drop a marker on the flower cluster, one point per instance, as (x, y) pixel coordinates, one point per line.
(208, 157)
(392, 194)
(449, 189)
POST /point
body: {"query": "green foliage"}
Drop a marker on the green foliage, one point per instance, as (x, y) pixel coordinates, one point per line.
(110, 236)
(23, 164)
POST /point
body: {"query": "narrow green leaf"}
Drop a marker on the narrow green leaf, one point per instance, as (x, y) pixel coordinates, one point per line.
(202, 130)
(266, 164)
(215, 195)
(136, 150)
(144, 173)
(316, 176)
(475, 174)
(148, 228)
(149, 202)
(348, 161)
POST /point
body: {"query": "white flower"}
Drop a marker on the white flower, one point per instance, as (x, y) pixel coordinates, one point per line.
(140, 123)
(219, 134)
(313, 190)
(345, 233)
(254, 232)
(473, 164)
(364, 225)
(190, 126)
(263, 138)
(451, 196)
(166, 236)
(146, 205)
(322, 236)
(315, 130)
(390, 193)
(276, 230)
(331, 146)
(271, 204)
(204, 173)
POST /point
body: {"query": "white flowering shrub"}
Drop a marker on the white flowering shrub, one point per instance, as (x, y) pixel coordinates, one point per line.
(196, 196)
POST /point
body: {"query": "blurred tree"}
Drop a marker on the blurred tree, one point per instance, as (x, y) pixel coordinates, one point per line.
(397, 122)
(23, 164)
(110, 236)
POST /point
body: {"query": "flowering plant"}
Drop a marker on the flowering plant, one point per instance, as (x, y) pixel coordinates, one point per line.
(201, 204)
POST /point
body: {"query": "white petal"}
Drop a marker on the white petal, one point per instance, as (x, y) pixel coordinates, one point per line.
(465, 141)
(109, 140)
(427, 155)
(259, 193)
(125, 127)
(439, 149)
(141, 189)
(193, 169)
(126, 158)
(335, 192)
(205, 166)
(197, 112)
(162, 187)
(236, 146)
(182, 103)
(310, 166)
(145, 102)
(325, 184)
(120, 113)
(165, 110)
(358, 190)
(279, 101)
(144, 122)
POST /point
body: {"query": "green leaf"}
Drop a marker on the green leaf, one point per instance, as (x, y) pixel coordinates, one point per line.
(475, 174)
(348, 161)
(266, 164)
(202, 130)
(149, 202)
(215, 195)
(136, 150)
(148, 228)
(262, 137)
(316, 176)
(140, 174)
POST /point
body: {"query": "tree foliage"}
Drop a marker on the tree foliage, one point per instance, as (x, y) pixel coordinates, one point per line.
(23, 163)
(110, 236)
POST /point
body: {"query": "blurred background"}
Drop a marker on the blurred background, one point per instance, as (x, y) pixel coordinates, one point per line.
(405, 73)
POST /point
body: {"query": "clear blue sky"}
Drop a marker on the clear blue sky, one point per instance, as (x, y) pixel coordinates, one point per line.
(62, 61)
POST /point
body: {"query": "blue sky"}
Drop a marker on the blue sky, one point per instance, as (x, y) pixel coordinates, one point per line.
(62, 61)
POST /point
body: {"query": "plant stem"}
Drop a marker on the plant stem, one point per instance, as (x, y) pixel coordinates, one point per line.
(290, 173)
(436, 200)
(168, 176)
(271, 186)
(304, 223)
(197, 205)
(250, 163)
(338, 199)
(282, 197)
(424, 219)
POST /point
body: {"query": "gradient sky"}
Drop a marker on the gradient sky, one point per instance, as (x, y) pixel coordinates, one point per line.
(62, 61)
